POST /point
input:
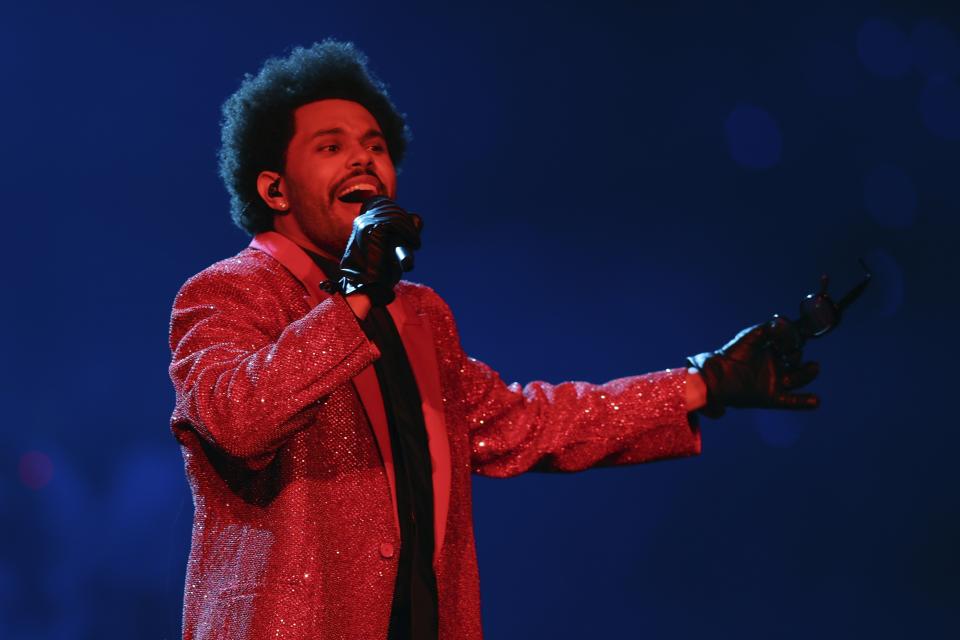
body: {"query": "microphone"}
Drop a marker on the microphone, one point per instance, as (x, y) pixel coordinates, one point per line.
(819, 314)
(403, 254)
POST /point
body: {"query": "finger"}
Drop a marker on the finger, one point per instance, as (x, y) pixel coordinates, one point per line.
(748, 338)
(390, 214)
(784, 336)
(790, 360)
(404, 233)
(413, 224)
(796, 401)
(393, 222)
(394, 213)
(417, 222)
(801, 376)
(378, 205)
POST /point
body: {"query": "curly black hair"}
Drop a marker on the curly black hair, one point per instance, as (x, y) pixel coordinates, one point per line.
(258, 120)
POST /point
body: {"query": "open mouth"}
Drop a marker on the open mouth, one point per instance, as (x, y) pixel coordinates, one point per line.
(358, 192)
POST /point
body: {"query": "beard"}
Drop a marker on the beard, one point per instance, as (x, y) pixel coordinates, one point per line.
(328, 226)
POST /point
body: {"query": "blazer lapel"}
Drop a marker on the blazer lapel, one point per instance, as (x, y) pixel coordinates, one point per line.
(418, 342)
(297, 262)
(368, 388)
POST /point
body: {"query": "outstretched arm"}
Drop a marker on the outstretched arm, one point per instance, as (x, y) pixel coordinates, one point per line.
(569, 426)
(576, 425)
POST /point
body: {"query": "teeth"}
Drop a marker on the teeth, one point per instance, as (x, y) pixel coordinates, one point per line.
(357, 187)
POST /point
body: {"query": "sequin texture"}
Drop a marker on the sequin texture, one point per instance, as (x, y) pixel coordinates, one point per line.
(294, 533)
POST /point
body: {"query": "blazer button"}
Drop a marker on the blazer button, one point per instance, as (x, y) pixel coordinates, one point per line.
(386, 549)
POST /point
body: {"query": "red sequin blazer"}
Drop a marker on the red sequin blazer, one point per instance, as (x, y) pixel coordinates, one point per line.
(286, 448)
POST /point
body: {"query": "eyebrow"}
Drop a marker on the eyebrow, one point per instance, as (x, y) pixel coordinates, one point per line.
(370, 133)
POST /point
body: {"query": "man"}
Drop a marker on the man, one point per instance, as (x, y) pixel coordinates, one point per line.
(329, 418)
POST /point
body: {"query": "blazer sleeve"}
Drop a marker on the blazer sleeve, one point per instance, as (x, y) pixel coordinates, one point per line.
(569, 426)
(246, 376)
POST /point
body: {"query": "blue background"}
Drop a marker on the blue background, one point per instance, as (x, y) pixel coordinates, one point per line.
(607, 187)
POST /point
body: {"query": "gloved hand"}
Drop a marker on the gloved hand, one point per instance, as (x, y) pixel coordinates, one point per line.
(748, 372)
(369, 264)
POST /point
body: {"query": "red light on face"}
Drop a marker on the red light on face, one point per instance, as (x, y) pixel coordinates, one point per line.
(36, 469)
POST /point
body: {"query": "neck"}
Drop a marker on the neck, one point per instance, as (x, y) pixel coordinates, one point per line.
(287, 226)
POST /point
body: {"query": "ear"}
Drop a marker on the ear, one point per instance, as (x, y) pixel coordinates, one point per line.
(273, 189)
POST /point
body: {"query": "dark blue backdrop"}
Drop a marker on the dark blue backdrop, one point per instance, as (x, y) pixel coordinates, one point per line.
(607, 188)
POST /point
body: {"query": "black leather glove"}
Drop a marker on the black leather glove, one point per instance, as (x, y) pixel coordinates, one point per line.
(748, 372)
(369, 264)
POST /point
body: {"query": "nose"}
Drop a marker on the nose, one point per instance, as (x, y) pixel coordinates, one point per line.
(360, 156)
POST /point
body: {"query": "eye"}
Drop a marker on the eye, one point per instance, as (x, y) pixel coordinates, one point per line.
(329, 148)
(377, 147)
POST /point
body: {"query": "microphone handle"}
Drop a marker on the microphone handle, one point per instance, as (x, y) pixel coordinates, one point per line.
(404, 257)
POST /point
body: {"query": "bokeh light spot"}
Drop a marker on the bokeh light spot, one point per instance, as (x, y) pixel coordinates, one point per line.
(935, 50)
(940, 108)
(36, 469)
(890, 197)
(779, 429)
(753, 137)
(887, 279)
(883, 48)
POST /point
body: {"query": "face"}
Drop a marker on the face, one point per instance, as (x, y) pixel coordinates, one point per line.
(337, 147)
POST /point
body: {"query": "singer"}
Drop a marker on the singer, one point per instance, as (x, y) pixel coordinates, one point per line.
(328, 417)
